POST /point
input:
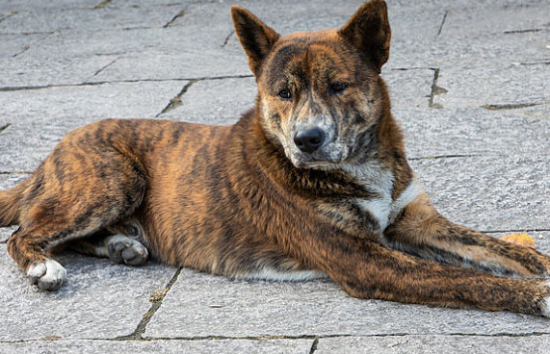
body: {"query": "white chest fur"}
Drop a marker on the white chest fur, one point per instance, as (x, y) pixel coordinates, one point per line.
(379, 181)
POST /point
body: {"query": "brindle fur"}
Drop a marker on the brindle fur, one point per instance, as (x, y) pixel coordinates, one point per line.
(242, 200)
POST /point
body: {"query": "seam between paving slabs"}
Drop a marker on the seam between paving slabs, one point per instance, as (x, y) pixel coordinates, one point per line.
(98, 83)
(157, 303)
(264, 338)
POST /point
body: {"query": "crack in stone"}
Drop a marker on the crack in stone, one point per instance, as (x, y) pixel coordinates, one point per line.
(179, 15)
(227, 38)
(9, 15)
(514, 231)
(499, 107)
(102, 5)
(436, 90)
(524, 31)
(138, 333)
(314, 346)
(84, 84)
(4, 127)
(104, 67)
(442, 22)
(438, 157)
(176, 101)
(283, 337)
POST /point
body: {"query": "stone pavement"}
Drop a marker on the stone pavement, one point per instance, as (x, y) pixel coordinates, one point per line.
(470, 83)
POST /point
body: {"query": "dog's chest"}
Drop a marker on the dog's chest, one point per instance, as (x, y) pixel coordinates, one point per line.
(379, 182)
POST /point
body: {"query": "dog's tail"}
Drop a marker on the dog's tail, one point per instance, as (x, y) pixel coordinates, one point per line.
(10, 201)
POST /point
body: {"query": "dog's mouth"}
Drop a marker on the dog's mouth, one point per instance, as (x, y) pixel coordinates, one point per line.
(324, 159)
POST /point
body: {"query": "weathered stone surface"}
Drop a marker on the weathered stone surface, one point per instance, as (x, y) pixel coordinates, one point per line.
(474, 131)
(100, 299)
(299, 346)
(495, 87)
(489, 192)
(14, 45)
(434, 345)
(204, 305)
(84, 104)
(46, 20)
(215, 101)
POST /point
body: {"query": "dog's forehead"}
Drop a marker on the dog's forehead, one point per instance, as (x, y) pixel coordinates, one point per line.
(309, 51)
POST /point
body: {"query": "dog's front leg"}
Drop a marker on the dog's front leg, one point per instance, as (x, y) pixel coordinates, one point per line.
(368, 270)
(420, 230)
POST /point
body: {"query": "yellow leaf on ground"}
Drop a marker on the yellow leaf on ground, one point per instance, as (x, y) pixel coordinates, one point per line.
(520, 239)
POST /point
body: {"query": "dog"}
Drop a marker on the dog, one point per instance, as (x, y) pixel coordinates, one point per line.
(312, 182)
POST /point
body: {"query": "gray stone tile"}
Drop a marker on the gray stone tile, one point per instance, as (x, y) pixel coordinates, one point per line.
(204, 305)
(474, 131)
(469, 22)
(409, 88)
(100, 299)
(513, 84)
(301, 346)
(215, 101)
(434, 345)
(190, 63)
(16, 44)
(489, 192)
(83, 104)
(34, 71)
(22, 5)
(46, 19)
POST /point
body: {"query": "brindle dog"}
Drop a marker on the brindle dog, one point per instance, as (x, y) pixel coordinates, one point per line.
(314, 181)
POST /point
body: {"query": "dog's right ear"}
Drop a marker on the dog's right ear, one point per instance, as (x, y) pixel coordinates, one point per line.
(255, 36)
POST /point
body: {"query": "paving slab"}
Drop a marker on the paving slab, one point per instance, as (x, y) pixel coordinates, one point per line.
(474, 131)
(34, 71)
(201, 305)
(46, 20)
(434, 345)
(86, 103)
(300, 346)
(14, 45)
(100, 299)
(494, 87)
(489, 192)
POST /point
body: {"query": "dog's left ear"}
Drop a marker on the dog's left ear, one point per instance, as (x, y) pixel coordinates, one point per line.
(256, 37)
(369, 31)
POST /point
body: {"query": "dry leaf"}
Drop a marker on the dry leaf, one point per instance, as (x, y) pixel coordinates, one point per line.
(520, 239)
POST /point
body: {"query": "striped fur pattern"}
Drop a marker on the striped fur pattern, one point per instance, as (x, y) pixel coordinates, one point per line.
(312, 182)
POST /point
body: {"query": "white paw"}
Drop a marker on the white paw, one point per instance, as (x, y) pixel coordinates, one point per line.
(123, 249)
(546, 304)
(48, 275)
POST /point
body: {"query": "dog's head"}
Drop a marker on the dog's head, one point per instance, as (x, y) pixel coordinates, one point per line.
(319, 93)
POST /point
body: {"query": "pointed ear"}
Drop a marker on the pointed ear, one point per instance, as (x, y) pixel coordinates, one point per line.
(369, 31)
(256, 37)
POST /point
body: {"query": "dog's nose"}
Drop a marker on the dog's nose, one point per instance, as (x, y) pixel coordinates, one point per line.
(309, 140)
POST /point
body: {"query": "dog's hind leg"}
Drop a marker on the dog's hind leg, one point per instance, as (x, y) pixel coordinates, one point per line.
(74, 194)
(122, 243)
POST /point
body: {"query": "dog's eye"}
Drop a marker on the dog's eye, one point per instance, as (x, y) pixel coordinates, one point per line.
(337, 87)
(285, 94)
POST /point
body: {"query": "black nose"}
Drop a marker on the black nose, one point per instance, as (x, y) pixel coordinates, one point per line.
(309, 140)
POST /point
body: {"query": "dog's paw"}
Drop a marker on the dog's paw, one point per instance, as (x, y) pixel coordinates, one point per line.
(123, 249)
(48, 275)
